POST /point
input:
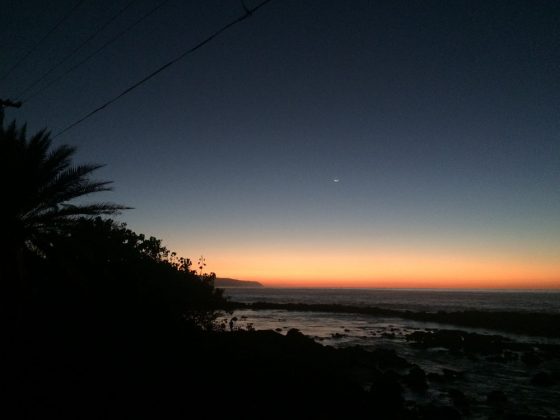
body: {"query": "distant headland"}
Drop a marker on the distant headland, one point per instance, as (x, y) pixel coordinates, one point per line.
(227, 282)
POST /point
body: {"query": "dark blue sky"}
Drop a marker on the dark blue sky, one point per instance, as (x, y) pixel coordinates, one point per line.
(440, 118)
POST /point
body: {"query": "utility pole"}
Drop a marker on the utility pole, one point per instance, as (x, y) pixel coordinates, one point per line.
(4, 103)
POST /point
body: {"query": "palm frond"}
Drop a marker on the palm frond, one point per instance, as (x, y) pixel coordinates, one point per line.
(58, 160)
(68, 211)
(40, 183)
(71, 183)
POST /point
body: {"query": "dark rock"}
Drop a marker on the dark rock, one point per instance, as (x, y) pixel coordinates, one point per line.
(531, 359)
(294, 332)
(543, 379)
(436, 377)
(455, 341)
(416, 379)
(386, 394)
(496, 397)
(376, 373)
(458, 397)
(451, 374)
(505, 357)
(526, 417)
(386, 358)
(297, 337)
(510, 356)
(449, 339)
(448, 375)
(472, 357)
(434, 412)
(497, 358)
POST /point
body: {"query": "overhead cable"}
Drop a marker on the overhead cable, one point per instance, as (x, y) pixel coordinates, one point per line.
(223, 29)
(77, 49)
(93, 54)
(38, 44)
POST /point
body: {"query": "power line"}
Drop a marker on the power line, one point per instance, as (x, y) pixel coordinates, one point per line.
(78, 48)
(248, 13)
(36, 46)
(93, 54)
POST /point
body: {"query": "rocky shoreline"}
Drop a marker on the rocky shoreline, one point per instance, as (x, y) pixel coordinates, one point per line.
(528, 323)
(387, 385)
(411, 371)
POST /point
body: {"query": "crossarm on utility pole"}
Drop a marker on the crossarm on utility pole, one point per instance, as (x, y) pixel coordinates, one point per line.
(9, 103)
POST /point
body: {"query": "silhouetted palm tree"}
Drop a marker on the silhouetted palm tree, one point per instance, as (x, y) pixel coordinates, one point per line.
(39, 183)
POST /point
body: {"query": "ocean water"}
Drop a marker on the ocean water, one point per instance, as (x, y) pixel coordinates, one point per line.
(341, 329)
(430, 300)
(482, 374)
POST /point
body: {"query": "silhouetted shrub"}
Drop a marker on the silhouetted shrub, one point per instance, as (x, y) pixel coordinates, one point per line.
(125, 276)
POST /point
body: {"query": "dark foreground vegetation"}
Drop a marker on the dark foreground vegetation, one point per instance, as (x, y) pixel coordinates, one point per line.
(101, 322)
(81, 362)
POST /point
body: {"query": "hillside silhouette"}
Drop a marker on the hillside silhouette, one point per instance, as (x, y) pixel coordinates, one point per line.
(227, 282)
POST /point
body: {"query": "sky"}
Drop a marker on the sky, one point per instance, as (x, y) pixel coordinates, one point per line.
(316, 143)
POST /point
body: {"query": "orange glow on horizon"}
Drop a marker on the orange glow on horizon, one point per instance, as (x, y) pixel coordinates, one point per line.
(410, 284)
(388, 269)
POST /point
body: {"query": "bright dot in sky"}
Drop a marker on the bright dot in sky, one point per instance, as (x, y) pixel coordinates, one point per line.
(336, 180)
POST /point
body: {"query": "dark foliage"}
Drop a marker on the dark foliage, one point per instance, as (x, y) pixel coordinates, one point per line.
(115, 326)
(124, 276)
(39, 184)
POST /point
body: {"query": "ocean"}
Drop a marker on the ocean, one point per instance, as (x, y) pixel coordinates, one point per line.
(340, 329)
(430, 300)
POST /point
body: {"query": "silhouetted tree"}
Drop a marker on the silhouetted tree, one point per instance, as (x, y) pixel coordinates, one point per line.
(128, 276)
(39, 184)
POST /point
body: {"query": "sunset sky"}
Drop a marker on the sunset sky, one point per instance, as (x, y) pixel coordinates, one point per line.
(317, 143)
